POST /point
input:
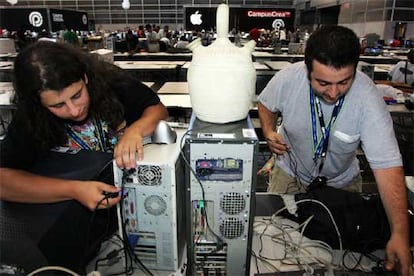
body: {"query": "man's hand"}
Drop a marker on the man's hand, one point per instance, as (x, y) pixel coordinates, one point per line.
(392, 188)
(276, 143)
(398, 256)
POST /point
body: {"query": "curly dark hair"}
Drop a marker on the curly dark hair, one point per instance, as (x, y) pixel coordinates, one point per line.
(54, 66)
(335, 46)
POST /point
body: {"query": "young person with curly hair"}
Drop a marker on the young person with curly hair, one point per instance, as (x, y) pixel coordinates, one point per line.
(67, 97)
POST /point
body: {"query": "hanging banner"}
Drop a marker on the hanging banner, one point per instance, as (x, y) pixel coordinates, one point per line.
(37, 20)
(26, 19)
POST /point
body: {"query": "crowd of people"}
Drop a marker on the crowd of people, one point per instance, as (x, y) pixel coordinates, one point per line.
(69, 98)
(269, 38)
(151, 38)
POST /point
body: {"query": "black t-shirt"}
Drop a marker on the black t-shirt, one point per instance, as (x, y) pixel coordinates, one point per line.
(19, 151)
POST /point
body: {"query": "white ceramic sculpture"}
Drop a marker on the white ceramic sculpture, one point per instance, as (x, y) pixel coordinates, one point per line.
(221, 77)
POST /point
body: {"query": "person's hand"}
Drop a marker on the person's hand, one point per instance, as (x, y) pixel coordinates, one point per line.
(129, 149)
(276, 143)
(398, 256)
(91, 194)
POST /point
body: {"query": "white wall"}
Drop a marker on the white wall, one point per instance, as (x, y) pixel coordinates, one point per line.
(385, 29)
(363, 28)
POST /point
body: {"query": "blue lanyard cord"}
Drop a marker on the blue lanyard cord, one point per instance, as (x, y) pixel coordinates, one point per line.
(81, 143)
(76, 138)
(321, 147)
(313, 117)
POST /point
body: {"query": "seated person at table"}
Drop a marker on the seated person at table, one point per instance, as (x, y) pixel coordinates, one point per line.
(328, 109)
(182, 43)
(132, 43)
(69, 98)
(403, 71)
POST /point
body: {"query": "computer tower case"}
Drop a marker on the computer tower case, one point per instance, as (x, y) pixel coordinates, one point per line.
(152, 211)
(220, 174)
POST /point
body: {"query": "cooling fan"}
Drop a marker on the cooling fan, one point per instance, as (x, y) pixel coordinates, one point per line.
(155, 205)
(149, 175)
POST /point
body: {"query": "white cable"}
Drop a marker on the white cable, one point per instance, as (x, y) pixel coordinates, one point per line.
(330, 216)
(289, 201)
(333, 222)
(59, 268)
(291, 244)
(301, 247)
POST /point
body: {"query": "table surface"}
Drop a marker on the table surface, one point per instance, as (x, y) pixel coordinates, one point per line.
(260, 66)
(175, 94)
(277, 65)
(257, 65)
(5, 65)
(380, 67)
(148, 83)
(176, 100)
(139, 65)
(153, 54)
(173, 88)
(155, 62)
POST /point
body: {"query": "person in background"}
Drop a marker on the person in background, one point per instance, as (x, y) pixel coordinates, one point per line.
(403, 71)
(45, 36)
(141, 31)
(291, 36)
(395, 42)
(328, 109)
(182, 43)
(282, 36)
(164, 32)
(131, 42)
(364, 45)
(71, 37)
(297, 36)
(21, 39)
(71, 99)
(152, 39)
(254, 34)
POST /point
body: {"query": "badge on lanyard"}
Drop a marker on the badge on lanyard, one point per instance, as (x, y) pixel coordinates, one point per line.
(321, 147)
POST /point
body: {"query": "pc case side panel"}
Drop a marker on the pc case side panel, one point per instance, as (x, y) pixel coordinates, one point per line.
(220, 196)
(181, 228)
(188, 210)
(151, 209)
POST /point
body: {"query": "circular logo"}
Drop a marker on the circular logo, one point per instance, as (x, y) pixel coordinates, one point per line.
(278, 23)
(84, 19)
(36, 19)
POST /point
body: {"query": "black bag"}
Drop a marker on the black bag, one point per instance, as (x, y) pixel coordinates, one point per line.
(360, 218)
(63, 233)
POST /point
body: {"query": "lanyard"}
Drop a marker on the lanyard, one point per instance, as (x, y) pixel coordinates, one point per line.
(321, 147)
(81, 143)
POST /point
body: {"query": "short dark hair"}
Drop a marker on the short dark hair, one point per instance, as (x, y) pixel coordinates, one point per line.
(335, 46)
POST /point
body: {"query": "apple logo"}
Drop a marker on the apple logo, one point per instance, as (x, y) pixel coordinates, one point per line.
(195, 18)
